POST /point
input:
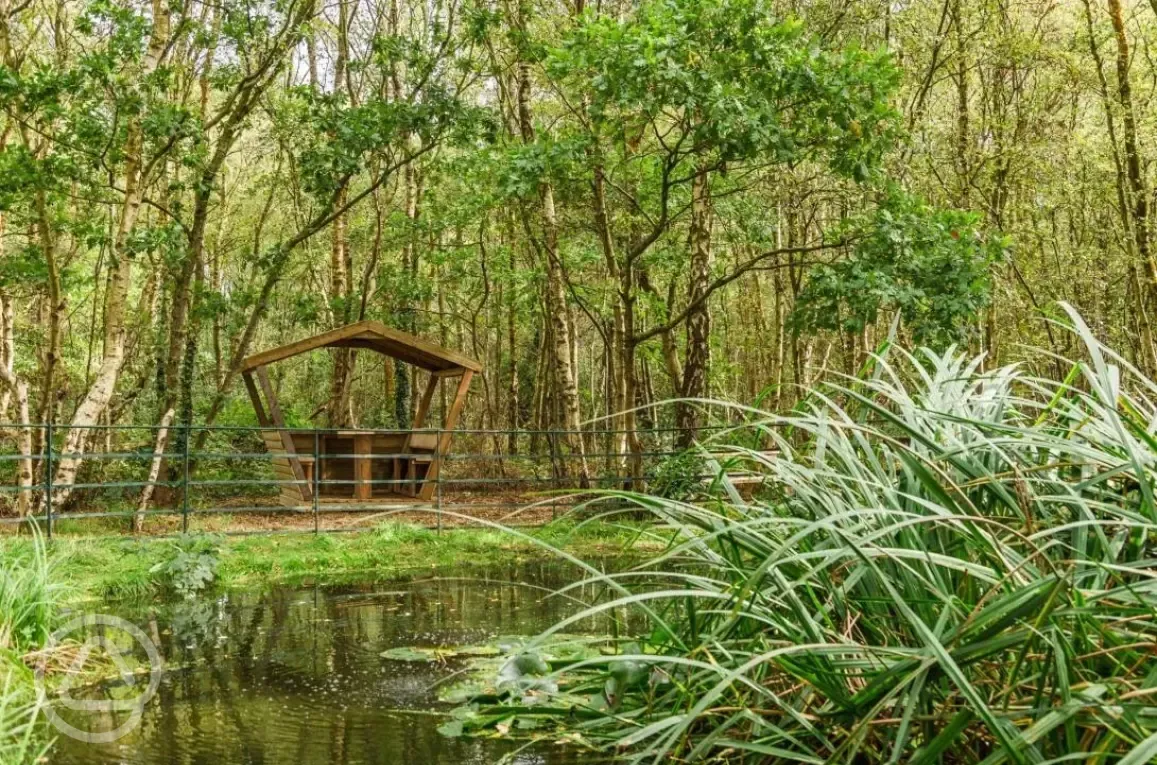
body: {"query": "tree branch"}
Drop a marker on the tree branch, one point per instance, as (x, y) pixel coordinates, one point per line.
(723, 281)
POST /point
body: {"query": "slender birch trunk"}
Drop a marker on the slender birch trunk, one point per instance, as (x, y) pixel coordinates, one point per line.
(15, 390)
(562, 329)
(99, 394)
(154, 470)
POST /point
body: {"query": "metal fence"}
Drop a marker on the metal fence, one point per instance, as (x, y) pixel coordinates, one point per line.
(208, 474)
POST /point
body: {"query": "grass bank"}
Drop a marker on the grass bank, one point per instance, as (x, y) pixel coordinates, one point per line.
(110, 568)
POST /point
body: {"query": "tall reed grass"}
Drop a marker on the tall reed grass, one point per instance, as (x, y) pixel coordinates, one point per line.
(944, 564)
(22, 742)
(30, 595)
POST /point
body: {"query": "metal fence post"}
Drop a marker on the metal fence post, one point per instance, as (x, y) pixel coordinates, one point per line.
(438, 483)
(185, 482)
(558, 469)
(316, 488)
(48, 476)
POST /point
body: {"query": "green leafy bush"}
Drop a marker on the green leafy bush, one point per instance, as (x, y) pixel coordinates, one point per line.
(680, 476)
(930, 266)
(192, 565)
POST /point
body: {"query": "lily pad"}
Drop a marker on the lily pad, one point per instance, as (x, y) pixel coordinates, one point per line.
(462, 692)
(451, 728)
(411, 654)
(477, 650)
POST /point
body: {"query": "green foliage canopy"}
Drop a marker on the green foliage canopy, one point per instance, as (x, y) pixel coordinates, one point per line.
(734, 82)
(932, 266)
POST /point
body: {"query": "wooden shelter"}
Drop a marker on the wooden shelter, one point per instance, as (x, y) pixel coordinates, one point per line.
(356, 465)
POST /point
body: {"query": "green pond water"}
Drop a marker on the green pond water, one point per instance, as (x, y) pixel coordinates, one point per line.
(295, 674)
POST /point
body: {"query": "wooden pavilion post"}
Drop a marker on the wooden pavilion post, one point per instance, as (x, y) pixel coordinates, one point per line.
(255, 397)
(427, 399)
(363, 467)
(411, 469)
(431, 480)
(278, 421)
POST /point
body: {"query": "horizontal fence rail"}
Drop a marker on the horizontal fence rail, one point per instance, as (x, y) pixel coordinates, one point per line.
(222, 472)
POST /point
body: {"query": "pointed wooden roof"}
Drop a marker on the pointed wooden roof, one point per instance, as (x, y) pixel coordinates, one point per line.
(375, 336)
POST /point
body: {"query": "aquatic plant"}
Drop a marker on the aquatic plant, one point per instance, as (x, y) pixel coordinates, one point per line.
(944, 564)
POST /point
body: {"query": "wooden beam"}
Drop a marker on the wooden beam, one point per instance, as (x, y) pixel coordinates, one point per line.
(300, 346)
(410, 487)
(255, 397)
(375, 335)
(403, 353)
(424, 403)
(456, 407)
(286, 439)
(363, 471)
(450, 358)
(448, 424)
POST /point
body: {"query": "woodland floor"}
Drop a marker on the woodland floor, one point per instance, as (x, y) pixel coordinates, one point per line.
(463, 509)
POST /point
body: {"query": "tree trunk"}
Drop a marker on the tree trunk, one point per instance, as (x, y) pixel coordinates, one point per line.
(556, 304)
(120, 271)
(780, 316)
(339, 411)
(403, 398)
(16, 390)
(962, 129)
(630, 377)
(562, 334)
(1138, 193)
(1142, 345)
(687, 415)
(618, 403)
(512, 389)
(154, 470)
(56, 309)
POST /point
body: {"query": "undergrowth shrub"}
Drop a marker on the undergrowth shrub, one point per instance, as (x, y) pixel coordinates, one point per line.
(191, 565)
(681, 476)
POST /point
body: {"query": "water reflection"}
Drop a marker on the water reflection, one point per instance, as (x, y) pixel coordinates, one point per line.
(294, 674)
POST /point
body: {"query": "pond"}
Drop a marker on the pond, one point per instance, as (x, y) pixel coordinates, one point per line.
(295, 674)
